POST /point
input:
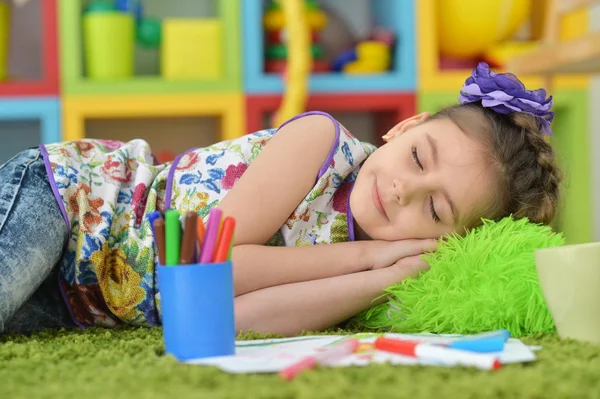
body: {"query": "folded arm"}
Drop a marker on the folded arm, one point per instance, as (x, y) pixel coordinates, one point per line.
(315, 305)
(259, 266)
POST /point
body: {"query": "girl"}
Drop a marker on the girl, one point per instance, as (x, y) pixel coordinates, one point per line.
(76, 248)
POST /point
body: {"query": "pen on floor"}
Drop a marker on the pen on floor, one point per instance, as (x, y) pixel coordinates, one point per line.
(323, 358)
(438, 354)
(492, 341)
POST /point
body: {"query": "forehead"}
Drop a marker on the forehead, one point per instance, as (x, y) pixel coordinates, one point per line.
(465, 167)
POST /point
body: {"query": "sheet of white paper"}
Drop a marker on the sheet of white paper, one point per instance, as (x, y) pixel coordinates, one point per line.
(270, 356)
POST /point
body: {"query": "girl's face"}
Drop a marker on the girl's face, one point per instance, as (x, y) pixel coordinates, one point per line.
(428, 180)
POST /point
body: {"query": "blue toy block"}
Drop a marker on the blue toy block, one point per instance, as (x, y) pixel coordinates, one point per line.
(44, 109)
(393, 14)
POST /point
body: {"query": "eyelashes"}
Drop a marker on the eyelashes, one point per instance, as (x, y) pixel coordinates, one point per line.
(415, 156)
(417, 162)
(434, 214)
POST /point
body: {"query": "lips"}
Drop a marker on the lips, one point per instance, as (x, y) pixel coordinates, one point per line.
(377, 200)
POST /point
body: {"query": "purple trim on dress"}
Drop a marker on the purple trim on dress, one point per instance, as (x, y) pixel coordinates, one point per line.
(350, 217)
(170, 177)
(336, 142)
(57, 196)
(61, 206)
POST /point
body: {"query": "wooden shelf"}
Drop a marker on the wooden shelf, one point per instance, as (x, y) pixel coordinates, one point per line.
(229, 107)
(397, 15)
(74, 80)
(48, 85)
(434, 78)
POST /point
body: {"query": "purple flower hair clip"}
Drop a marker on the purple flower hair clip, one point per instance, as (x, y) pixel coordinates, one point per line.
(505, 93)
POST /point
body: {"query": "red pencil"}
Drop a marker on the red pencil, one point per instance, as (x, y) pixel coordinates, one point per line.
(222, 250)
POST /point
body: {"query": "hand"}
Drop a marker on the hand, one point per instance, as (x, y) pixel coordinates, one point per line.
(403, 253)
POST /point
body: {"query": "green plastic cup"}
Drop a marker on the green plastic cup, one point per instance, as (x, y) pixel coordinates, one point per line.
(4, 31)
(109, 45)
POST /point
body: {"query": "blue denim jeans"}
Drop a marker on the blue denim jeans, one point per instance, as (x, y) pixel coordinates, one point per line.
(33, 236)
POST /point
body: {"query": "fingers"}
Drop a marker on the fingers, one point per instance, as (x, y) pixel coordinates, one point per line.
(415, 247)
(411, 266)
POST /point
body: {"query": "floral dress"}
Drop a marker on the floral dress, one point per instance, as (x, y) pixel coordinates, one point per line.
(106, 188)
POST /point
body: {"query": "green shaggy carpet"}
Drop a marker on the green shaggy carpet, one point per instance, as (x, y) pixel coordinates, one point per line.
(128, 363)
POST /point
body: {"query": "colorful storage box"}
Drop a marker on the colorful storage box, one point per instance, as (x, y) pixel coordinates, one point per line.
(192, 49)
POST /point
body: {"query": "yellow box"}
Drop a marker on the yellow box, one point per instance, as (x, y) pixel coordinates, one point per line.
(229, 107)
(432, 78)
(192, 49)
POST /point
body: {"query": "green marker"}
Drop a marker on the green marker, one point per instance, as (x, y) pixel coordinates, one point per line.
(173, 237)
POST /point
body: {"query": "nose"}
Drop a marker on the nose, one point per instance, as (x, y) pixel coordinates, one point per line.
(406, 190)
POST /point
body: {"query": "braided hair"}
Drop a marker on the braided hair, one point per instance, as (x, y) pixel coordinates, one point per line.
(529, 177)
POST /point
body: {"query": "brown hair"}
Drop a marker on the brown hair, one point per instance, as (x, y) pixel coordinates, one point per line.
(529, 175)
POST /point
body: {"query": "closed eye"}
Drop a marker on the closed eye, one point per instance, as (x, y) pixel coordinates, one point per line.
(434, 214)
(432, 210)
(415, 156)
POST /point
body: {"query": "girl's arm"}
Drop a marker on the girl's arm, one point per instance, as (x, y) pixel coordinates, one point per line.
(266, 195)
(319, 304)
(259, 266)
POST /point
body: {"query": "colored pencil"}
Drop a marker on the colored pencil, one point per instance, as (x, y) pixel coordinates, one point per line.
(199, 237)
(438, 354)
(159, 239)
(210, 237)
(231, 247)
(152, 216)
(326, 357)
(173, 235)
(189, 239)
(224, 243)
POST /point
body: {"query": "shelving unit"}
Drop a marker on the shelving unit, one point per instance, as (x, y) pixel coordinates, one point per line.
(395, 15)
(73, 76)
(45, 111)
(433, 78)
(227, 107)
(388, 108)
(48, 84)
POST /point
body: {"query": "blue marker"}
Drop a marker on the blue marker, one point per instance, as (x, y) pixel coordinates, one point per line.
(152, 218)
(487, 342)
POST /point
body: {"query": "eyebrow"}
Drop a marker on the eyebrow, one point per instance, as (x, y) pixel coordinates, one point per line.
(435, 156)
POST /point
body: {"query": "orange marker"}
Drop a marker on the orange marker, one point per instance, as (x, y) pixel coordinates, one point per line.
(199, 235)
(224, 243)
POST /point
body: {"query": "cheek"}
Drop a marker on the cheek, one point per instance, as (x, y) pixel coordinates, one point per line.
(413, 224)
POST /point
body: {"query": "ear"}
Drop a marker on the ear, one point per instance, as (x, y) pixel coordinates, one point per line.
(406, 125)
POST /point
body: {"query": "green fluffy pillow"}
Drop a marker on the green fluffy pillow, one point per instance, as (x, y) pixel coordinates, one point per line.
(484, 281)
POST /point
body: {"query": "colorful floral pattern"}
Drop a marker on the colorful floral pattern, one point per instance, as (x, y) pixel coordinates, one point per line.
(106, 188)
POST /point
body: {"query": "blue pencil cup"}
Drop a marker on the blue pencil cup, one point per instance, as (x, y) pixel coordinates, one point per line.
(197, 304)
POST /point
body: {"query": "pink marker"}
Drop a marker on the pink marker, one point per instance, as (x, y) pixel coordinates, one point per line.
(329, 355)
(210, 236)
